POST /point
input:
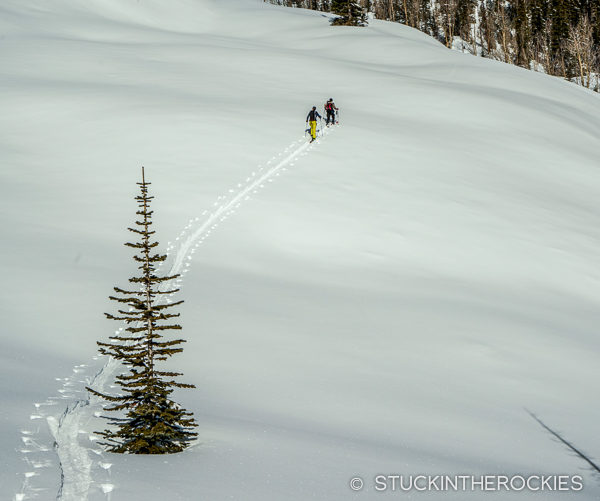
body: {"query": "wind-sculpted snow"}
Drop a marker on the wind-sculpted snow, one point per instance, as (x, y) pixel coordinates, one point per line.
(393, 305)
(69, 438)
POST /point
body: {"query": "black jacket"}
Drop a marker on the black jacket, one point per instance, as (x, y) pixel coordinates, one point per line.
(312, 116)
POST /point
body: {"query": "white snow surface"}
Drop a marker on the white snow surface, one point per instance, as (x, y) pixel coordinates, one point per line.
(387, 300)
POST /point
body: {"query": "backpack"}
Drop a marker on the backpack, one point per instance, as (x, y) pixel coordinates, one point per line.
(328, 106)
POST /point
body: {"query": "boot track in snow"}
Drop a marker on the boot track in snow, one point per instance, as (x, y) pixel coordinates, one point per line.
(66, 443)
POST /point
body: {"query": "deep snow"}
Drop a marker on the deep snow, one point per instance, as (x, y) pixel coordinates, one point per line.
(389, 304)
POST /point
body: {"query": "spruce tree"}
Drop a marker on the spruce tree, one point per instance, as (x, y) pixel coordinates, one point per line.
(428, 22)
(151, 422)
(560, 25)
(465, 17)
(350, 12)
(522, 34)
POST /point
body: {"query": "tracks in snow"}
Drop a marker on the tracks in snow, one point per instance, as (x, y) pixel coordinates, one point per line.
(228, 207)
(66, 442)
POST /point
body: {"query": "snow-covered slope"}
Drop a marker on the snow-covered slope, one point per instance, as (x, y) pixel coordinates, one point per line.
(390, 304)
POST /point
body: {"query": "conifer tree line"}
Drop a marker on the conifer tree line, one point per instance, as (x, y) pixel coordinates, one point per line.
(148, 420)
(558, 37)
(351, 12)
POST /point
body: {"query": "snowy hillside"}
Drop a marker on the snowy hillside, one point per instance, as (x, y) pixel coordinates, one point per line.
(387, 300)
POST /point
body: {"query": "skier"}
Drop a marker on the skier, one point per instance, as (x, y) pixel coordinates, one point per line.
(330, 109)
(312, 118)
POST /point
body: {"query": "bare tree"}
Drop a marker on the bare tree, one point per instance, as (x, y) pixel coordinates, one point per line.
(487, 31)
(385, 9)
(580, 46)
(445, 11)
(597, 69)
(505, 32)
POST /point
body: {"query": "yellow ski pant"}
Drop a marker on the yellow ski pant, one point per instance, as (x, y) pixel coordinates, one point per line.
(313, 129)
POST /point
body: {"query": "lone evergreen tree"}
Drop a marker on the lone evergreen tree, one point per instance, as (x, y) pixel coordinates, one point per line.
(350, 12)
(152, 422)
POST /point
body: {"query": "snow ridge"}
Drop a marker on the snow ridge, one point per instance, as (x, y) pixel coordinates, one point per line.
(66, 433)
